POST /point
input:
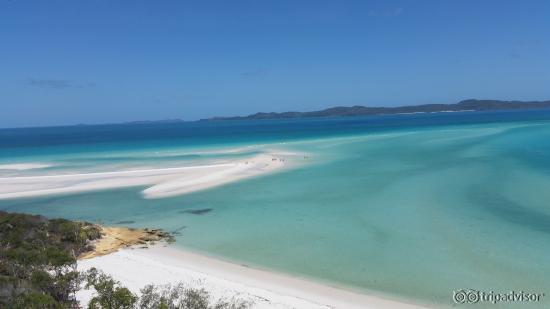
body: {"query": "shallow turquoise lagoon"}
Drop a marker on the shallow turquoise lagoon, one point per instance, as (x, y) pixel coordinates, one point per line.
(414, 212)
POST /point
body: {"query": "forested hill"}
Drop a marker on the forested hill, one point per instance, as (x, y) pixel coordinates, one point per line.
(466, 105)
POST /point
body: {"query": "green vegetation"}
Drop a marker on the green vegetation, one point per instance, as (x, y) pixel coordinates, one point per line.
(181, 297)
(38, 270)
(38, 260)
(111, 295)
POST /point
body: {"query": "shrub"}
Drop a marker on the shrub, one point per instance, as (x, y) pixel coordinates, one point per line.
(110, 295)
(181, 297)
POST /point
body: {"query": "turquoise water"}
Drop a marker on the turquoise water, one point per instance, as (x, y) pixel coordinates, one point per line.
(413, 211)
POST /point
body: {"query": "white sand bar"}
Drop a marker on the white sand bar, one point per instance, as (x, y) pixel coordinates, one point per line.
(135, 268)
(163, 182)
(23, 166)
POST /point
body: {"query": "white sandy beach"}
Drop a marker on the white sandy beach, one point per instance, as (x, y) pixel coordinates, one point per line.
(162, 182)
(160, 264)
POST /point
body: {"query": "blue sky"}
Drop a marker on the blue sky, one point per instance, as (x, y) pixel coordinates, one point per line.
(67, 62)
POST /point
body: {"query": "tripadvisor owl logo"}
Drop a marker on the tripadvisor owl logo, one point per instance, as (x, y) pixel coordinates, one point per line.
(471, 296)
(466, 296)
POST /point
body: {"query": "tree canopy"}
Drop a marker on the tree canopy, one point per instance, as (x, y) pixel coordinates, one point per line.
(38, 260)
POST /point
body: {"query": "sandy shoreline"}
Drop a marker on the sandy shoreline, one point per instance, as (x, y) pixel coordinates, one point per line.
(161, 182)
(161, 264)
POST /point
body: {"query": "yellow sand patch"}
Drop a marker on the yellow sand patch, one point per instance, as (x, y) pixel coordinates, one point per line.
(114, 238)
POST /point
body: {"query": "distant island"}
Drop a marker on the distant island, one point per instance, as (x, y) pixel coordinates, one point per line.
(471, 105)
(340, 111)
